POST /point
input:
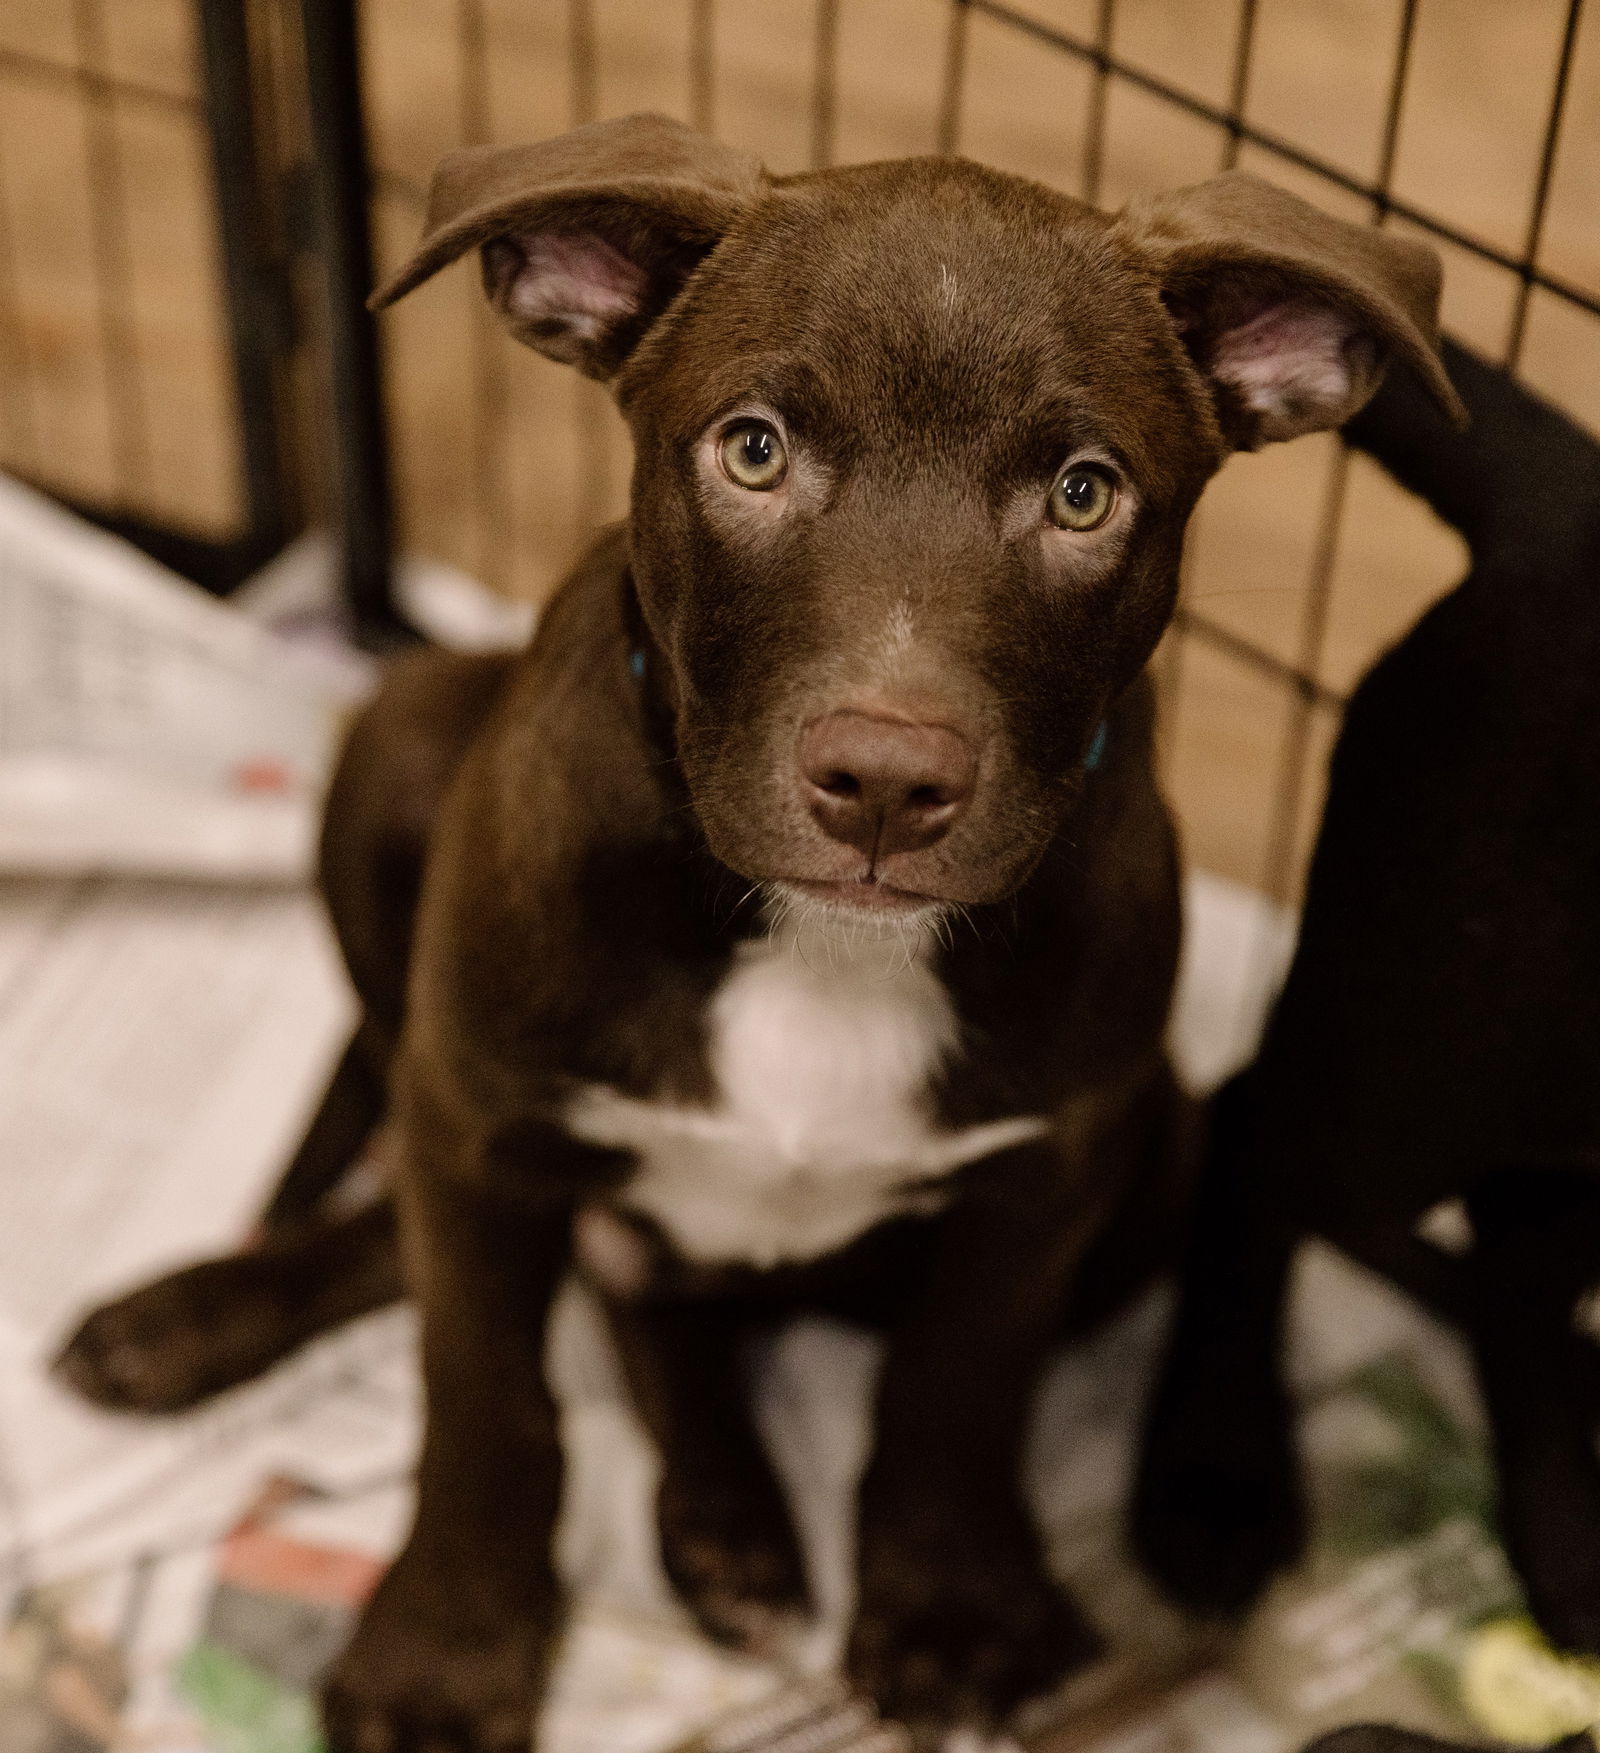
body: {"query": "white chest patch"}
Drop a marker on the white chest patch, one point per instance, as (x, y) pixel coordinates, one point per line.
(823, 1124)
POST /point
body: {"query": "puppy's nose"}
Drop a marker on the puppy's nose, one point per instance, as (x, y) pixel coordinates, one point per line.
(883, 785)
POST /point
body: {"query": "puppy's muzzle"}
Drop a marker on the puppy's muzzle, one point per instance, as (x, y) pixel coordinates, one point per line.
(885, 785)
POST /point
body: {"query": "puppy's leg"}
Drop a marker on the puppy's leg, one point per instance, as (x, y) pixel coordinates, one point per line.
(1535, 1253)
(185, 1337)
(727, 1541)
(452, 1650)
(345, 1120)
(1217, 1502)
(958, 1619)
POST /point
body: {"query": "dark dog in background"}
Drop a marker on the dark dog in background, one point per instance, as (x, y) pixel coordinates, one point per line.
(1438, 1038)
(798, 916)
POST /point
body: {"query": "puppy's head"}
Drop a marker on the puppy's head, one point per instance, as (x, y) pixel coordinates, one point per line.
(915, 448)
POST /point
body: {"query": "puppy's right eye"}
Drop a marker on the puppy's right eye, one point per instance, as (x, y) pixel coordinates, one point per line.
(1083, 497)
(753, 456)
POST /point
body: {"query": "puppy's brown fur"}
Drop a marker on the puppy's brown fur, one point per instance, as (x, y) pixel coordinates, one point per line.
(933, 344)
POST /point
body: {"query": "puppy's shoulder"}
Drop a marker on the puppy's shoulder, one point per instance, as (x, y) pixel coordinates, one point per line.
(560, 815)
(567, 746)
(579, 652)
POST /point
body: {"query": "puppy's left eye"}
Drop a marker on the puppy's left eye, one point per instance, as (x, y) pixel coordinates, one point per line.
(753, 456)
(1083, 497)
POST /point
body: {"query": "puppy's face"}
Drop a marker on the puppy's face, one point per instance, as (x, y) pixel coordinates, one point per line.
(916, 443)
(915, 451)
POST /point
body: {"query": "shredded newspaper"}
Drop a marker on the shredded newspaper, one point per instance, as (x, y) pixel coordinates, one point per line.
(177, 1585)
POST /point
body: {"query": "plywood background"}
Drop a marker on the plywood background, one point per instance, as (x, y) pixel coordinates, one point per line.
(504, 462)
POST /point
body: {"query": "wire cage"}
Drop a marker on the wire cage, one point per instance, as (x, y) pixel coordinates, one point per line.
(143, 318)
(181, 262)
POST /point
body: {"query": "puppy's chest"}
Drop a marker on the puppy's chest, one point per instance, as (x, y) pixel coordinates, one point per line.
(823, 1122)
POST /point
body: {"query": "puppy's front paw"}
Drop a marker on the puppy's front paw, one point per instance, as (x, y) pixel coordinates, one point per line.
(732, 1555)
(173, 1343)
(956, 1635)
(1217, 1505)
(430, 1670)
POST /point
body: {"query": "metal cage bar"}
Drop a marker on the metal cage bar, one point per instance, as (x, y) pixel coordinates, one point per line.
(261, 330)
(253, 273)
(1104, 61)
(343, 186)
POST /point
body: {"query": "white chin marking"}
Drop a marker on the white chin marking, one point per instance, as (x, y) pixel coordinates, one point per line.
(808, 922)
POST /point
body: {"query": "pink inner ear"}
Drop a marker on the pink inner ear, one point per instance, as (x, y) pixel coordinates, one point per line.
(576, 283)
(1293, 364)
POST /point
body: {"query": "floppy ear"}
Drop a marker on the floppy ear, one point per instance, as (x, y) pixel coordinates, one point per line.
(586, 238)
(1290, 314)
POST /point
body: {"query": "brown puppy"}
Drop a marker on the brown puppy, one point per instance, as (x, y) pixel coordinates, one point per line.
(800, 923)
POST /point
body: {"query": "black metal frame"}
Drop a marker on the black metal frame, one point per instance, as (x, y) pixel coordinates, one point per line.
(342, 181)
(256, 250)
(254, 267)
(254, 274)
